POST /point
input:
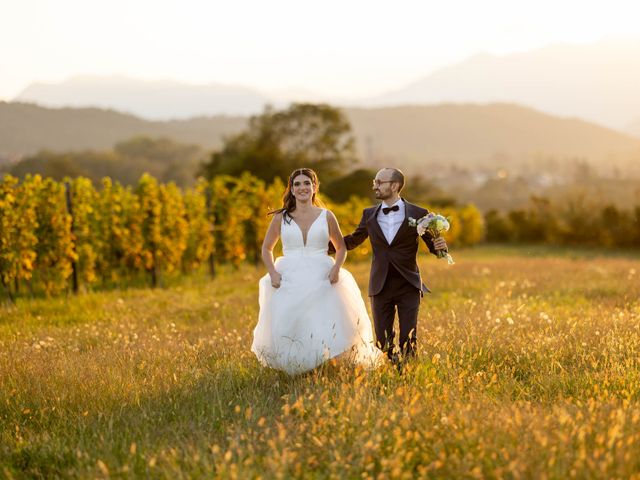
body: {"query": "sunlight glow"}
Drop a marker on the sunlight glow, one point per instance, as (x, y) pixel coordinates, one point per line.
(339, 48)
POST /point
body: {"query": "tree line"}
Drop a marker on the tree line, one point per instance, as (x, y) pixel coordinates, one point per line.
(58, 236)
(575, 222)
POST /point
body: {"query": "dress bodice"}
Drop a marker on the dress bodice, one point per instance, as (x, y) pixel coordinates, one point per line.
(317, 237)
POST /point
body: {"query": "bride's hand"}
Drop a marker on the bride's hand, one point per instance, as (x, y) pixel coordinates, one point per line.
(276, 279)
(334, 275)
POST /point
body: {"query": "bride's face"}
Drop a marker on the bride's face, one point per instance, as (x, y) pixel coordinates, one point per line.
(303, 188)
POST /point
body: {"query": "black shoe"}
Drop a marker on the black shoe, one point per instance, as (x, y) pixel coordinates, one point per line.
(397, 361)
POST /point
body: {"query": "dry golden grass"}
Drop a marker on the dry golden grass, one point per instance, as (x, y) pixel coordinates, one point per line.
(528, 368)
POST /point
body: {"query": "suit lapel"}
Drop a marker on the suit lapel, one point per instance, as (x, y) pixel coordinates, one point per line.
(375, 227)
(405, 224)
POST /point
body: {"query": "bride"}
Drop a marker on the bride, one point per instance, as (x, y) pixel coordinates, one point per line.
(311, 309)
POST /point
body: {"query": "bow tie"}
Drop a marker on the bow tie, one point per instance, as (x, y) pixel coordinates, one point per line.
(386, 210)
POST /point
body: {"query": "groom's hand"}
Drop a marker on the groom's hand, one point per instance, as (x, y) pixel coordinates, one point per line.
(439, 243)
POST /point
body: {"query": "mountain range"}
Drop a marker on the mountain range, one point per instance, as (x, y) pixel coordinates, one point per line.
(596, 82)
(161, 99)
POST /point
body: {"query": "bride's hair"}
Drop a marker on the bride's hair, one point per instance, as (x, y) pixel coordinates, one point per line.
(289, 201)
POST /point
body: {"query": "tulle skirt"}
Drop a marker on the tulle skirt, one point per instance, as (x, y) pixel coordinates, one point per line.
(308, 321)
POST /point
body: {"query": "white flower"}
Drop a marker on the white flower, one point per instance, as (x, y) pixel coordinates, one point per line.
(441, 223)
(435, 224)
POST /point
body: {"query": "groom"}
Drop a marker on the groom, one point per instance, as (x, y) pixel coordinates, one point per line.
(395, 281)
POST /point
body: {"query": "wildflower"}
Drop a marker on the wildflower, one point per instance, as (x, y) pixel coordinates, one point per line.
(103, 467)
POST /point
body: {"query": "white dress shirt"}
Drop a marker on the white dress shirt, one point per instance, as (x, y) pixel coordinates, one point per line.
(391, 222)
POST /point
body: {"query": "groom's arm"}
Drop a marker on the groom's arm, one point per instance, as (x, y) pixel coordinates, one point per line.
(433, 244)
(357, 237)
(427, 238)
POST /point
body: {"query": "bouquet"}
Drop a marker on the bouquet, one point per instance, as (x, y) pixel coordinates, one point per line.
(435, 224)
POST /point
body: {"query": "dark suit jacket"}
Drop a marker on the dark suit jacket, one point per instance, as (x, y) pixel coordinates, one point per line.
(401, 253)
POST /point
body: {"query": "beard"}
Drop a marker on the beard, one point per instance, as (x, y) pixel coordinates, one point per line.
(380, 195)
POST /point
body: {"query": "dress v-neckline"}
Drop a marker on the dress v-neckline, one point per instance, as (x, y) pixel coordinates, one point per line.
(305, 238)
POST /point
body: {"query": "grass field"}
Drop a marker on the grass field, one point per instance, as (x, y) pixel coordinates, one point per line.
(528, 368)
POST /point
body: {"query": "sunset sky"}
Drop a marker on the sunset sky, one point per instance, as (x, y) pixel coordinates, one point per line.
(337, 48)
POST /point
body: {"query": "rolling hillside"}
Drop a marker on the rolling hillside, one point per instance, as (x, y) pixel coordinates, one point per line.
(464, 134)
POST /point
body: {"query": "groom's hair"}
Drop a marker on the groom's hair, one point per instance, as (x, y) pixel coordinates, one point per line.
(397, 176)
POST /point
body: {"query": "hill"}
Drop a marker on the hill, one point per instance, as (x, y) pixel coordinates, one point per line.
(634, 129)
(481, 135)
(465, 135)
(597, 82)
(27, 128)
(157, 100)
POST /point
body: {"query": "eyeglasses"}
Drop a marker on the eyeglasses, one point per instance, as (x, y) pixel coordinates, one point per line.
(377, 183)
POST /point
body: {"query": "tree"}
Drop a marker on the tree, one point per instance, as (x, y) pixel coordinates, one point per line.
(420, 189)
(55, 247)
(168, 160)
(164, 228)
(17, 232)
(356, 183)
(498, 227)
(317, 136)
(161, 157)
(48, 164)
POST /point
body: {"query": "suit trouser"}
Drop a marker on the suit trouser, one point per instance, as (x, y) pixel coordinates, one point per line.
(398, 294)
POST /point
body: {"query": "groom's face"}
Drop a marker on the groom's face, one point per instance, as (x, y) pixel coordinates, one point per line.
(383, 187)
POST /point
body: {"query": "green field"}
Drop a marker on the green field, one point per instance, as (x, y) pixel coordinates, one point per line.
(528, 368)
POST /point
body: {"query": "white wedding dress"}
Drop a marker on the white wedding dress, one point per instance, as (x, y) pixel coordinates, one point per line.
(308, 320)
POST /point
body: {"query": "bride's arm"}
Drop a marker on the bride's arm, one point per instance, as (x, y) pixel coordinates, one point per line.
(270, 240)
(335, 235)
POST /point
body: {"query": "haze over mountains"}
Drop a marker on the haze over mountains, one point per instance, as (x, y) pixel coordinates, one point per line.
(597, 82)
(157, 100)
